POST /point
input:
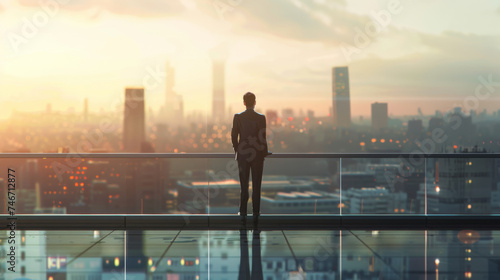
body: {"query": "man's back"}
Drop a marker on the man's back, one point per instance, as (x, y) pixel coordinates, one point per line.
(250, 126)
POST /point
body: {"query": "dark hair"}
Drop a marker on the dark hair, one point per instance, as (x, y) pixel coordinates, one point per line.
(249, 99)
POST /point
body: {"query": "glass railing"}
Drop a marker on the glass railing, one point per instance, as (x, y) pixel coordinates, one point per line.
(324, 217)
(300, 254)
(313, 184)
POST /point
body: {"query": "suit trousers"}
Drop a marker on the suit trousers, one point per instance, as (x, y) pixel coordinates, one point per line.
(255, 166)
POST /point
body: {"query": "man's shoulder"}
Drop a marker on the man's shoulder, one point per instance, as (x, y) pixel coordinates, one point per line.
(249, 114)
(238, 114)
(257, 113)
(262, 116)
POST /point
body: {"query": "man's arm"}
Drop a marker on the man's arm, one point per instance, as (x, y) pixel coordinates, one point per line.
(234, 133)
(262, 134)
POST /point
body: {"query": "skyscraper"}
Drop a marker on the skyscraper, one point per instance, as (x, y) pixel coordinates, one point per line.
(341, 99)
(133, 120)
(85, 109)
(415, 129)
(379, 115)
(218, 103)
(173, 111)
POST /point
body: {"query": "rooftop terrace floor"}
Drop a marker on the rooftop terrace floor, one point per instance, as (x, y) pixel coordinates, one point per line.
(284, 247)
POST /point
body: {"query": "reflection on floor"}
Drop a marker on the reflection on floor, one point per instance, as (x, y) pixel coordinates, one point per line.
(248, 254)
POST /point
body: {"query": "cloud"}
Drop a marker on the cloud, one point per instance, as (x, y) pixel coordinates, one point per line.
(299, 20)
(457, 44)
(451, 66)
(302, 20)
(143, 8)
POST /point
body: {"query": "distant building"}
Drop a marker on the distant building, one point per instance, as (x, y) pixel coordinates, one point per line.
(358, 180)
(287, 114)
(341, 97)
(162, 138)
(173, 110)
(272, 117)
(31, 172)
(99, 196)
(465, 185)
(133, 120)
(144, 184)
(85, 109)
(218, 102)
(307, 202)
(383, 173)
(310, 114)
(380, 117)
(436, 122)
(228, 195)
(376, 201)
(415, 129)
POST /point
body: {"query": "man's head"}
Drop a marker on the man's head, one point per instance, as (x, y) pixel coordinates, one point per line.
(249, 100)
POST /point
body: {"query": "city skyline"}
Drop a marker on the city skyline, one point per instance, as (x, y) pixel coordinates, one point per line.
(410, 63)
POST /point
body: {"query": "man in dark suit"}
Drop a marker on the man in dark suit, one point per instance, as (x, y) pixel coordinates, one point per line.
(250, 149)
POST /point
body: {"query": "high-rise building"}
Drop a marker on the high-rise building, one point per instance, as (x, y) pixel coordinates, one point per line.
(341, 100)
(287, 114)
(173, 110)
(436, 122)
(133, 121)
(380, 117)
(85, 109)
(415, 129)
(272, 117)
(218, 102)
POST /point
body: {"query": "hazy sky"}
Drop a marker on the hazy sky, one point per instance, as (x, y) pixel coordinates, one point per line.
(429, 54)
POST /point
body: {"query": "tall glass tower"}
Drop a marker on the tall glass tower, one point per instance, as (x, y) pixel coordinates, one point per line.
(341, 100)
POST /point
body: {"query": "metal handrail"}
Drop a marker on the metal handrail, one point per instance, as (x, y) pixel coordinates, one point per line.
(231, 155)
(266, 222)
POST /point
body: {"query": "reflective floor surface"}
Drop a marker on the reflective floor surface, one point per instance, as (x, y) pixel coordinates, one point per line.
(248, 254)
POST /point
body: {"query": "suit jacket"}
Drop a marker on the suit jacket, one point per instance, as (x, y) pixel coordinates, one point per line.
(250, 126)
